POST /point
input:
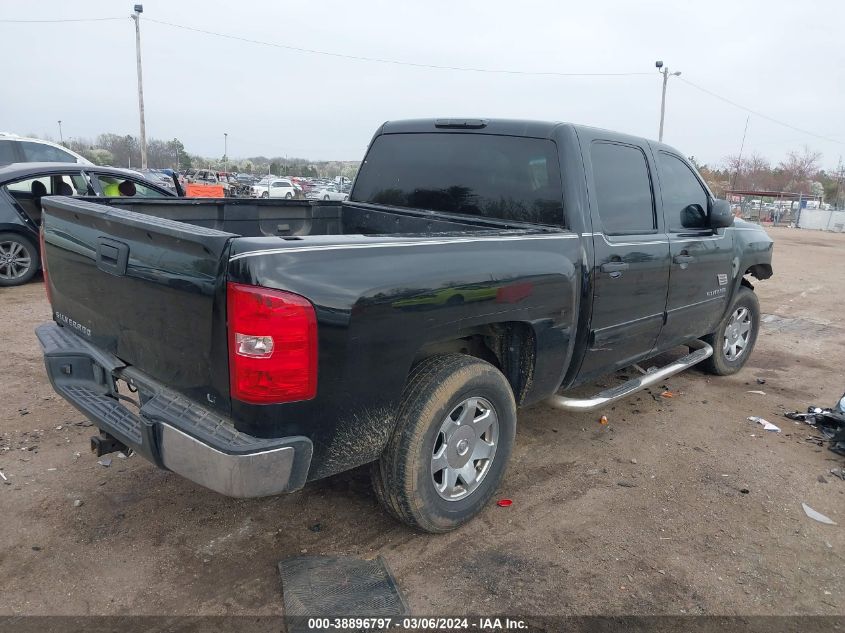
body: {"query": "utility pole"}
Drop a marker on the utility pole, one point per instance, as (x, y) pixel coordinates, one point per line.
(139, 9)
(666, 74)
(225, 151)
(741, 148)
(61, 138)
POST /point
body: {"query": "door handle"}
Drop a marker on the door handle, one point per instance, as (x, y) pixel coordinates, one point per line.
(112, 256)
(683, 258)
(614, 267)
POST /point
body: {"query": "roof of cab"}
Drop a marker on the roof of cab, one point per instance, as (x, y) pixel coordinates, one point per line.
(506, 127)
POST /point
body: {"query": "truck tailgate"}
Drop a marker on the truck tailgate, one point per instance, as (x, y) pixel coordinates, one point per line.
(146, 289)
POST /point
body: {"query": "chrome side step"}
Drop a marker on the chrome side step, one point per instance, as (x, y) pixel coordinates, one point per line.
(702, 352)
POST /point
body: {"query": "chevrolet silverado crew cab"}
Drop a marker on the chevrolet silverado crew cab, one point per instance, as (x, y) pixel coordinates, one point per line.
(478, 266)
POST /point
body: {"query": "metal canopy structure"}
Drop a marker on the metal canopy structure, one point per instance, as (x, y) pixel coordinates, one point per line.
(783, 195)
(757, 213)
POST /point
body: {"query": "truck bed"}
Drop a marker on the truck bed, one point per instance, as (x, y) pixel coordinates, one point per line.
(269, 218)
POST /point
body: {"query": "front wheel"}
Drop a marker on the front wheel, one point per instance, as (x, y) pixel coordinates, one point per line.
(266, 194)
(288, 195)
(454, 433)
(734, 339)
(18, 259)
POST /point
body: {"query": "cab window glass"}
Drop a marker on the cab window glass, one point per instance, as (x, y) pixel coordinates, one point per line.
(482, 175)
(684, 199)
(622, 189)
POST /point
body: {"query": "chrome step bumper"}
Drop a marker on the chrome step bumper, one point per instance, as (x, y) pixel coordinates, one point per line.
(702, 352)
(170, 429)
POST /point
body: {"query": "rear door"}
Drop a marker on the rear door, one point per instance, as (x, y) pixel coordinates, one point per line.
(701, 269)
(27, 193)
(148, 290)
(631, 268)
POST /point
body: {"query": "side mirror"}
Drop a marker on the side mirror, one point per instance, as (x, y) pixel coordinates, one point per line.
(720, 215)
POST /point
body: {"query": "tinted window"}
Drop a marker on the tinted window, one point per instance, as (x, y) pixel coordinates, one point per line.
(7, 152)
(684, 199)
(39, 152)
(622, 189)
(504, 177)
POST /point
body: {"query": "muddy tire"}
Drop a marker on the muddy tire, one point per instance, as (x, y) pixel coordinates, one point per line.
(454, 433)
(734, 340)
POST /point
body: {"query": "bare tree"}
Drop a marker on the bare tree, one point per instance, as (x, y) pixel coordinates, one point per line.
(798, 171)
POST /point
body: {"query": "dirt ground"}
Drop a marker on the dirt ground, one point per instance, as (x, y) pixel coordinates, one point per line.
(677, 506)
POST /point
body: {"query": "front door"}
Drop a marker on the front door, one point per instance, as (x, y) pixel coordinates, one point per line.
(701, 272)
(631, 269)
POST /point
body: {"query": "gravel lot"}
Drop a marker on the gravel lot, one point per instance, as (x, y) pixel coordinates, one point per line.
(643, 516)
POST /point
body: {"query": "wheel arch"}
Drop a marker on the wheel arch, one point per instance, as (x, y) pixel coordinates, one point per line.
(510, 346)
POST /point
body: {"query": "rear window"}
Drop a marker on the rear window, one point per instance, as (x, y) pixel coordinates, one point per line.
(40, 152)
(500, 177)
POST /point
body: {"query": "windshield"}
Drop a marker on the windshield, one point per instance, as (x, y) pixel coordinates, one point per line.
(503, 177)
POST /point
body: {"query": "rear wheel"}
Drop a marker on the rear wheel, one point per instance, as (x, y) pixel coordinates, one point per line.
(734, 340)
(325, 197)
(454, 433)
(266, 194)
(288, 195)
(18, 259)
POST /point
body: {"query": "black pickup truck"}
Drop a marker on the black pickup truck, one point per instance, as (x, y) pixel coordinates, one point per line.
(478, 265)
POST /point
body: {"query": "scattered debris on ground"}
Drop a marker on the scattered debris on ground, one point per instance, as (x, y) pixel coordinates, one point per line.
(829, 422)
(817, 516)
(324, 586)
(768, 426)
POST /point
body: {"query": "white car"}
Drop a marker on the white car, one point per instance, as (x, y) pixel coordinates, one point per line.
(280, 188)
(19, 149)
(326, 193)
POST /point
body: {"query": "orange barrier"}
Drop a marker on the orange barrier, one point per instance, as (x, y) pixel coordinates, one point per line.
(195, 190)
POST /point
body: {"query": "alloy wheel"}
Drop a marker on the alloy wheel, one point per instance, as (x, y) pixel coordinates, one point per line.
(464, 448)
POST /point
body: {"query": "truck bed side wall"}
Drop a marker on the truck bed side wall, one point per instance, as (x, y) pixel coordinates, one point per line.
(370, 334)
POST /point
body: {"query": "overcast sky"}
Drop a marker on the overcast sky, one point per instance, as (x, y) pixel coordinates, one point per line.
(784, 59)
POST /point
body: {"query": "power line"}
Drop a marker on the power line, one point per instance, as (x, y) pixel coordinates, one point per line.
(59, 20)
(382, 60)
(760, 114)
(396, 62)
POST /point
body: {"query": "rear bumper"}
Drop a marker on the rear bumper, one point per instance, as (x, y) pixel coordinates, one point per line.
(169, 429)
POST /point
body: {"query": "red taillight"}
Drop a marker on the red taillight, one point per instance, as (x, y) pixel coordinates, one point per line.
(44, 265)
(272, 345)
